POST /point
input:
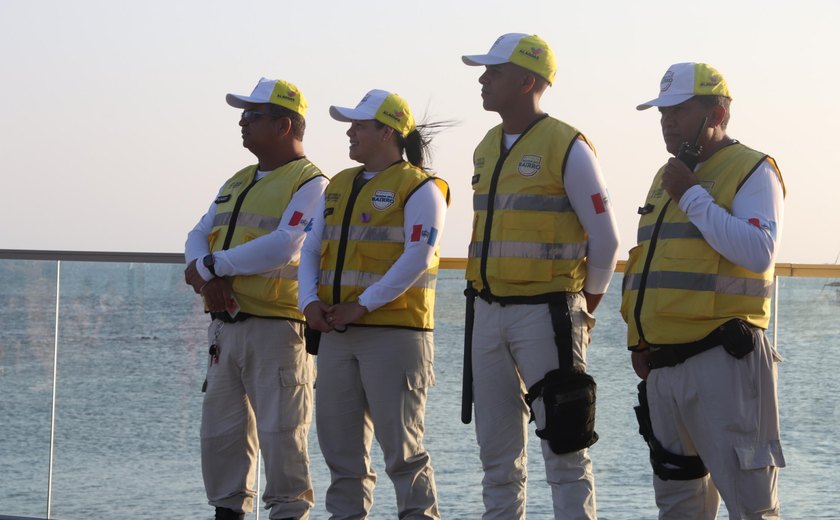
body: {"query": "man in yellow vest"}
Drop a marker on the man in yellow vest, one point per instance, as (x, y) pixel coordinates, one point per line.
(696, 299)
(543, 250)
(242, 257)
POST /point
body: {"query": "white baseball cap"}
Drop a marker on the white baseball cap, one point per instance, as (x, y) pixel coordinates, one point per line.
(274, 91)
(528, 51)
(381, 105)
(683, 81)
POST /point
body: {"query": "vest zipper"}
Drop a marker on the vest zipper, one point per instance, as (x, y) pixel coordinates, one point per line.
(235, 213)
(345, 230)
(491, 200)
(637, 312)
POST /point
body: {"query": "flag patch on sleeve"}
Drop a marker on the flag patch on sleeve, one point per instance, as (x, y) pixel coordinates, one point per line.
(295, 220)
(433, 232)
(598, 202)
(429, 236)
(416, 231)
(769, 226)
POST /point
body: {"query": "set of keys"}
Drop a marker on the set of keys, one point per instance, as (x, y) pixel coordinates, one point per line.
(214, 352)
(215, 349)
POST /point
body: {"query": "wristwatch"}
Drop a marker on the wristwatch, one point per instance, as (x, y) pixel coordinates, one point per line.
(209, 262)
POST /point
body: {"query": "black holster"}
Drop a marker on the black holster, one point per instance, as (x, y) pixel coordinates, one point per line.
(569, 401)
(666, 465)
(312, 339)
(568, 393)
(738, 337)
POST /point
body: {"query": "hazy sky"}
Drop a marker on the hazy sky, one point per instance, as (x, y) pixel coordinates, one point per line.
(115, 135)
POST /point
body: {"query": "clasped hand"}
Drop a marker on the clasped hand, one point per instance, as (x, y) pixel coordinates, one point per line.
(326, 318)
(216, 292)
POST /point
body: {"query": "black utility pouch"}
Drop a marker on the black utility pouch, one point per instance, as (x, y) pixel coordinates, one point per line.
(738, 338)
(312, 339)
(569, 400)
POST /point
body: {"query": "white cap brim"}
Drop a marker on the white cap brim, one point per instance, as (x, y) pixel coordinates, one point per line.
(665, 101)
(237, 101)
(348, 115)
(483, 59)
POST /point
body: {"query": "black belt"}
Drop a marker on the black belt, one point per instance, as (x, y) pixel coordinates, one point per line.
(536, 299)
(673, 354)
(225, 317)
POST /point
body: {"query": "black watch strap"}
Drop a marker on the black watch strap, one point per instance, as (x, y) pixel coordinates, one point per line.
(209, 262)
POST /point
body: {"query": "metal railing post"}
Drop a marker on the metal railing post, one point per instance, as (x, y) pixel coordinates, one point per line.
(54, 385)
(257, 499)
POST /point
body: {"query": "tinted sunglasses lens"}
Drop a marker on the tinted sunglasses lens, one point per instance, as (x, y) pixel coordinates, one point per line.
(251, 115)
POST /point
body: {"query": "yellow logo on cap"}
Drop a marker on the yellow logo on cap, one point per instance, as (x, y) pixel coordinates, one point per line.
(533, 53)
(290, 95)
(397, 114)
(287, 95)
(709, 82)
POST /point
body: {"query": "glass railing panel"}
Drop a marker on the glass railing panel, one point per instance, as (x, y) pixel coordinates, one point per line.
(27, 340)
(132, 358)
(130, 369)
(809, 340)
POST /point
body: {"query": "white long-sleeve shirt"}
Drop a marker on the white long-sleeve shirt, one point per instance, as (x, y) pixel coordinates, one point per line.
(588, 196)
(264, 253)
(426, 208)
(748, 236)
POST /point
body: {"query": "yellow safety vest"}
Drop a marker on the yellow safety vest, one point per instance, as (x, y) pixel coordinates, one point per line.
(527, 240)
(676, 288)
(245, 210)
(364, 236)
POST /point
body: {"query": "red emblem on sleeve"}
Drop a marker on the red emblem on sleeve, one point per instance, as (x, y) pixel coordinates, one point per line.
(295, 220)
(598, 203)
(416, 232)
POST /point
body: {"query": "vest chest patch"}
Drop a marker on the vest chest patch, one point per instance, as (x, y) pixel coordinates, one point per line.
(529, 165)
(382, 199)
(222, 198)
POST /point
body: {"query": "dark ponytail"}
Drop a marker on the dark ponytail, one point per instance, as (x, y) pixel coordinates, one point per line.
(416, 148)
(417, 144)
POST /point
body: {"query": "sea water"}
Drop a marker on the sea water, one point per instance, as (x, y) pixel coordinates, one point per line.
(132, 355)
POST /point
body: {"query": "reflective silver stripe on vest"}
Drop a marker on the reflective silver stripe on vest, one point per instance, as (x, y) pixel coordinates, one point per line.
(363, 279)
(701, 282)
(535, 250)
(371, 233)
(287, 272)
(527, 202)
(675, 230)
(248, 219)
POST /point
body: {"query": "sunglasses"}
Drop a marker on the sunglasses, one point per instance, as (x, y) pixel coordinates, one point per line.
(253, 115)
